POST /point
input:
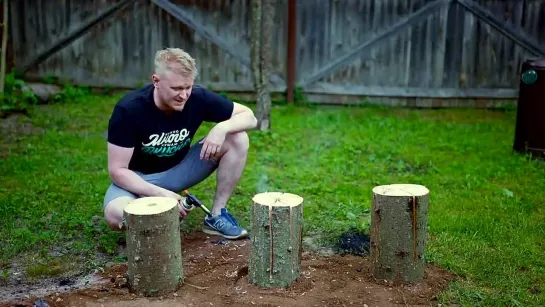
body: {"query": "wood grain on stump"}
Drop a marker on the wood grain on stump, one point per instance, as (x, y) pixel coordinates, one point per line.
(153, 246)
(399, 231)
(276, 239)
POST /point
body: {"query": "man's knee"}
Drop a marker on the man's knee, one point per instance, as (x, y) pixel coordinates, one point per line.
(113, 213)
(239, 141)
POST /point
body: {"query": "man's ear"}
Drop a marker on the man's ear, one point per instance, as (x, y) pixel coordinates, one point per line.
(155, 80)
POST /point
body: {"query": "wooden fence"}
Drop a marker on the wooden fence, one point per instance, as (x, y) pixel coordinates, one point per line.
(406, 52)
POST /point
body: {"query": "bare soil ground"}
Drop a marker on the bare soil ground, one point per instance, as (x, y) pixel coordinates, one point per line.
(215, 274)
(12, 129)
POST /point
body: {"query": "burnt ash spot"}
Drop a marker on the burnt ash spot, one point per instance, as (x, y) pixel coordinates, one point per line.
(66, 282)
(353, 242)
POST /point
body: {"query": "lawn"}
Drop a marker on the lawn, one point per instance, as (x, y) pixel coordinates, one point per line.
(486, 218)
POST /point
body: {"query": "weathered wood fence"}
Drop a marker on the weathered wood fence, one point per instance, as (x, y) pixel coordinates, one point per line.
(423, 53)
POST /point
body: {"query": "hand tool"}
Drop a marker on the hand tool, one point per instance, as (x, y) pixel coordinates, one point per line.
(191, 201)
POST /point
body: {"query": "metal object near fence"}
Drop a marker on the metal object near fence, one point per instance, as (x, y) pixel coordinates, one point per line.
(530, 121)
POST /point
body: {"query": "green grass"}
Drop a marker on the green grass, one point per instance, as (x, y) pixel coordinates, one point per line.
(486, 218)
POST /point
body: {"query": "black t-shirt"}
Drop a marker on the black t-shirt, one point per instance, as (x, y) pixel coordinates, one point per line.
(161, 140)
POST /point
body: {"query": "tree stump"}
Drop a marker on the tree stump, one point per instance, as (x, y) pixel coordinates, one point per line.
(153, 246)
(399, 231)
(276, 239)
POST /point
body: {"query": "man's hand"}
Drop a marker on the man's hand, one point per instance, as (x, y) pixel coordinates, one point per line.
(241, 119)
(178, 197)
(213, 141)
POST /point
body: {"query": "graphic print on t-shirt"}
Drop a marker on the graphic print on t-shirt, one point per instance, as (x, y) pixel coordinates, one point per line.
(166, 144)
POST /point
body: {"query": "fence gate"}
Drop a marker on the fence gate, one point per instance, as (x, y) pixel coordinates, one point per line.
(421, 52)
(112, 43)
(424, 52)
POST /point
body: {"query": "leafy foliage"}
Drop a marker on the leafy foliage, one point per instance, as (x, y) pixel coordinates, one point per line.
(19, 98)
(15, 96)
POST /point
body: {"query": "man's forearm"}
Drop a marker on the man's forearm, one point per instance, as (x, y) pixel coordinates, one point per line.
(240, 122)
(130, 181)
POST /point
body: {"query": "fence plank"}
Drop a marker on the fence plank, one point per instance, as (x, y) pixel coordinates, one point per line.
(469, 51)
(184, 17)
(408, 50)
(518, 11)
(70, 37)
(514, 33)
(399, 26)
(440, 49)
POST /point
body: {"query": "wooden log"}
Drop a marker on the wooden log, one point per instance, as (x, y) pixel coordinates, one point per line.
(276, 239)
(399, 231)
(153, 246)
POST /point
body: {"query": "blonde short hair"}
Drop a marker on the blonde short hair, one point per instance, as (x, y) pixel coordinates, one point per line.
(175, 60)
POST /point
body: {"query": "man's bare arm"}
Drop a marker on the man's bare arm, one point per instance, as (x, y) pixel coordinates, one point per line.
(118, 168)
(242, 119)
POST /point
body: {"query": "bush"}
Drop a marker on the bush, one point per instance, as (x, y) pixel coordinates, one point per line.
(16, 96)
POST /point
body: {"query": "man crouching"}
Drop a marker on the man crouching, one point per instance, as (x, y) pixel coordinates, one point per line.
(149, 143)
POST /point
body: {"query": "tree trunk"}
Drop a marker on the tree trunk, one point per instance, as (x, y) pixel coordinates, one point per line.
(262, 23)
(4, 47)
(276, 234)
(153, 246)
(399, 231)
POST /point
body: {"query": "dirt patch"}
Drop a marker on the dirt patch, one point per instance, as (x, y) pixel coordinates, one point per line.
(12, 128)
(36, 275)
(215, 274)
(17, 125)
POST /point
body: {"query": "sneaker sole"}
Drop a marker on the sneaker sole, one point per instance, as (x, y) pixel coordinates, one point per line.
(217, 233)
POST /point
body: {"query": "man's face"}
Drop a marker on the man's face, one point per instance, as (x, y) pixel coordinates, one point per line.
(173, 90)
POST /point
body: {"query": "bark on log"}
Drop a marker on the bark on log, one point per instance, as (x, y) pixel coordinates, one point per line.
(153, 246)
(399, 232)
(276, 239)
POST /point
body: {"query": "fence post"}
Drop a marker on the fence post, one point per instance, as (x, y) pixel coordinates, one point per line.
(292, 37)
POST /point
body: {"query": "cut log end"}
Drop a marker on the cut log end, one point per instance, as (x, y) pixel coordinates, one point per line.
(150, 205)
(278, 199)
(401, 190)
